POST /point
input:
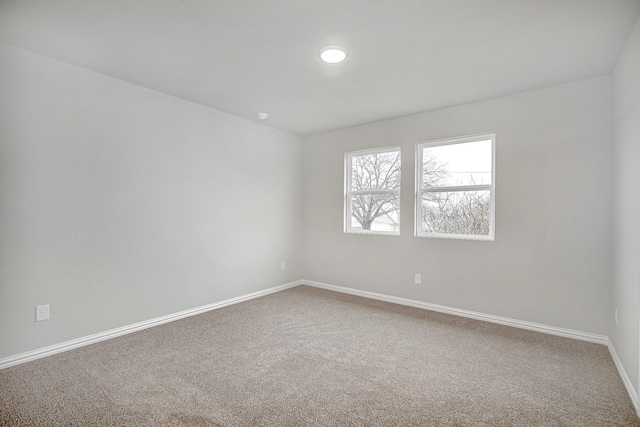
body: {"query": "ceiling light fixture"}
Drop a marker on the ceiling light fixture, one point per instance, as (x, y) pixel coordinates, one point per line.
(333, 54)
(262, 116)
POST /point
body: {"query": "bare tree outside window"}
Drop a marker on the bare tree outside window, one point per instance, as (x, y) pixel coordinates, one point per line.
(451, 212)
(460, 212)
(373, 195)
(455, 196)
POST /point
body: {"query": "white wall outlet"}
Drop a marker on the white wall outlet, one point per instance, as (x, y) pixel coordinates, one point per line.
(283, 265)
(42, 312)
(418, 279)
(615, 315)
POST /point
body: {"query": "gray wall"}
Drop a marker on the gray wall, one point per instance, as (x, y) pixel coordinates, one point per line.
(549, 262)
(625, 225)
(120, 204)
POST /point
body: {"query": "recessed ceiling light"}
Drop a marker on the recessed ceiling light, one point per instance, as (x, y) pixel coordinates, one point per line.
(333, 54)
(263, 116)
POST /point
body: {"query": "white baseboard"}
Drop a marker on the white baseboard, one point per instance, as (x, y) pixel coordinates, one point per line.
(583, 336)
(625, 378)
(569, 333)
(92, 339)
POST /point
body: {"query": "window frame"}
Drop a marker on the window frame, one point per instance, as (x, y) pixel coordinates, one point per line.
(348, 192)
(420, 189)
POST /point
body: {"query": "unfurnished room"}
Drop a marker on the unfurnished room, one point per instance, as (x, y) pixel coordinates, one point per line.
(319, 213)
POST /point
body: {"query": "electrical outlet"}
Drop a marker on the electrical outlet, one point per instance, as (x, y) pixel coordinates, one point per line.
(615, 315)
(42, 312)
(283, 265)
(418, 279)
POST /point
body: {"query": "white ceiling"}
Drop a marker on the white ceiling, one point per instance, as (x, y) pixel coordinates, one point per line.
(250, 56)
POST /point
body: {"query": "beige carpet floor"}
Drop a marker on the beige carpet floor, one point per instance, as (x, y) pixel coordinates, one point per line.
(310, 357)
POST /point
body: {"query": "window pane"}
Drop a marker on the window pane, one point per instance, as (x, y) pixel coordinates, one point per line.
(456, 212)
(467, 163)
(375, 212)
(378, 171)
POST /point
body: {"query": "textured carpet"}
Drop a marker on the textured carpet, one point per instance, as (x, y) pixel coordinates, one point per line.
(309, 357)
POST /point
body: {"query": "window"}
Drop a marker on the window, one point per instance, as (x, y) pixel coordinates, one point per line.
(455, 188)
(372, 191)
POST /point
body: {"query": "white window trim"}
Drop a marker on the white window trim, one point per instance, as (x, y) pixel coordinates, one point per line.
(484, 187)
(348, 192)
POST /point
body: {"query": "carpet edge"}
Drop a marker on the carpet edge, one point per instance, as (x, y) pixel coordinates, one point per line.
(39, 353)
(625, 378)
(521, 324)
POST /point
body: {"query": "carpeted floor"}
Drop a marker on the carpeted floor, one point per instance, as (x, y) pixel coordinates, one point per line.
(310, 357)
